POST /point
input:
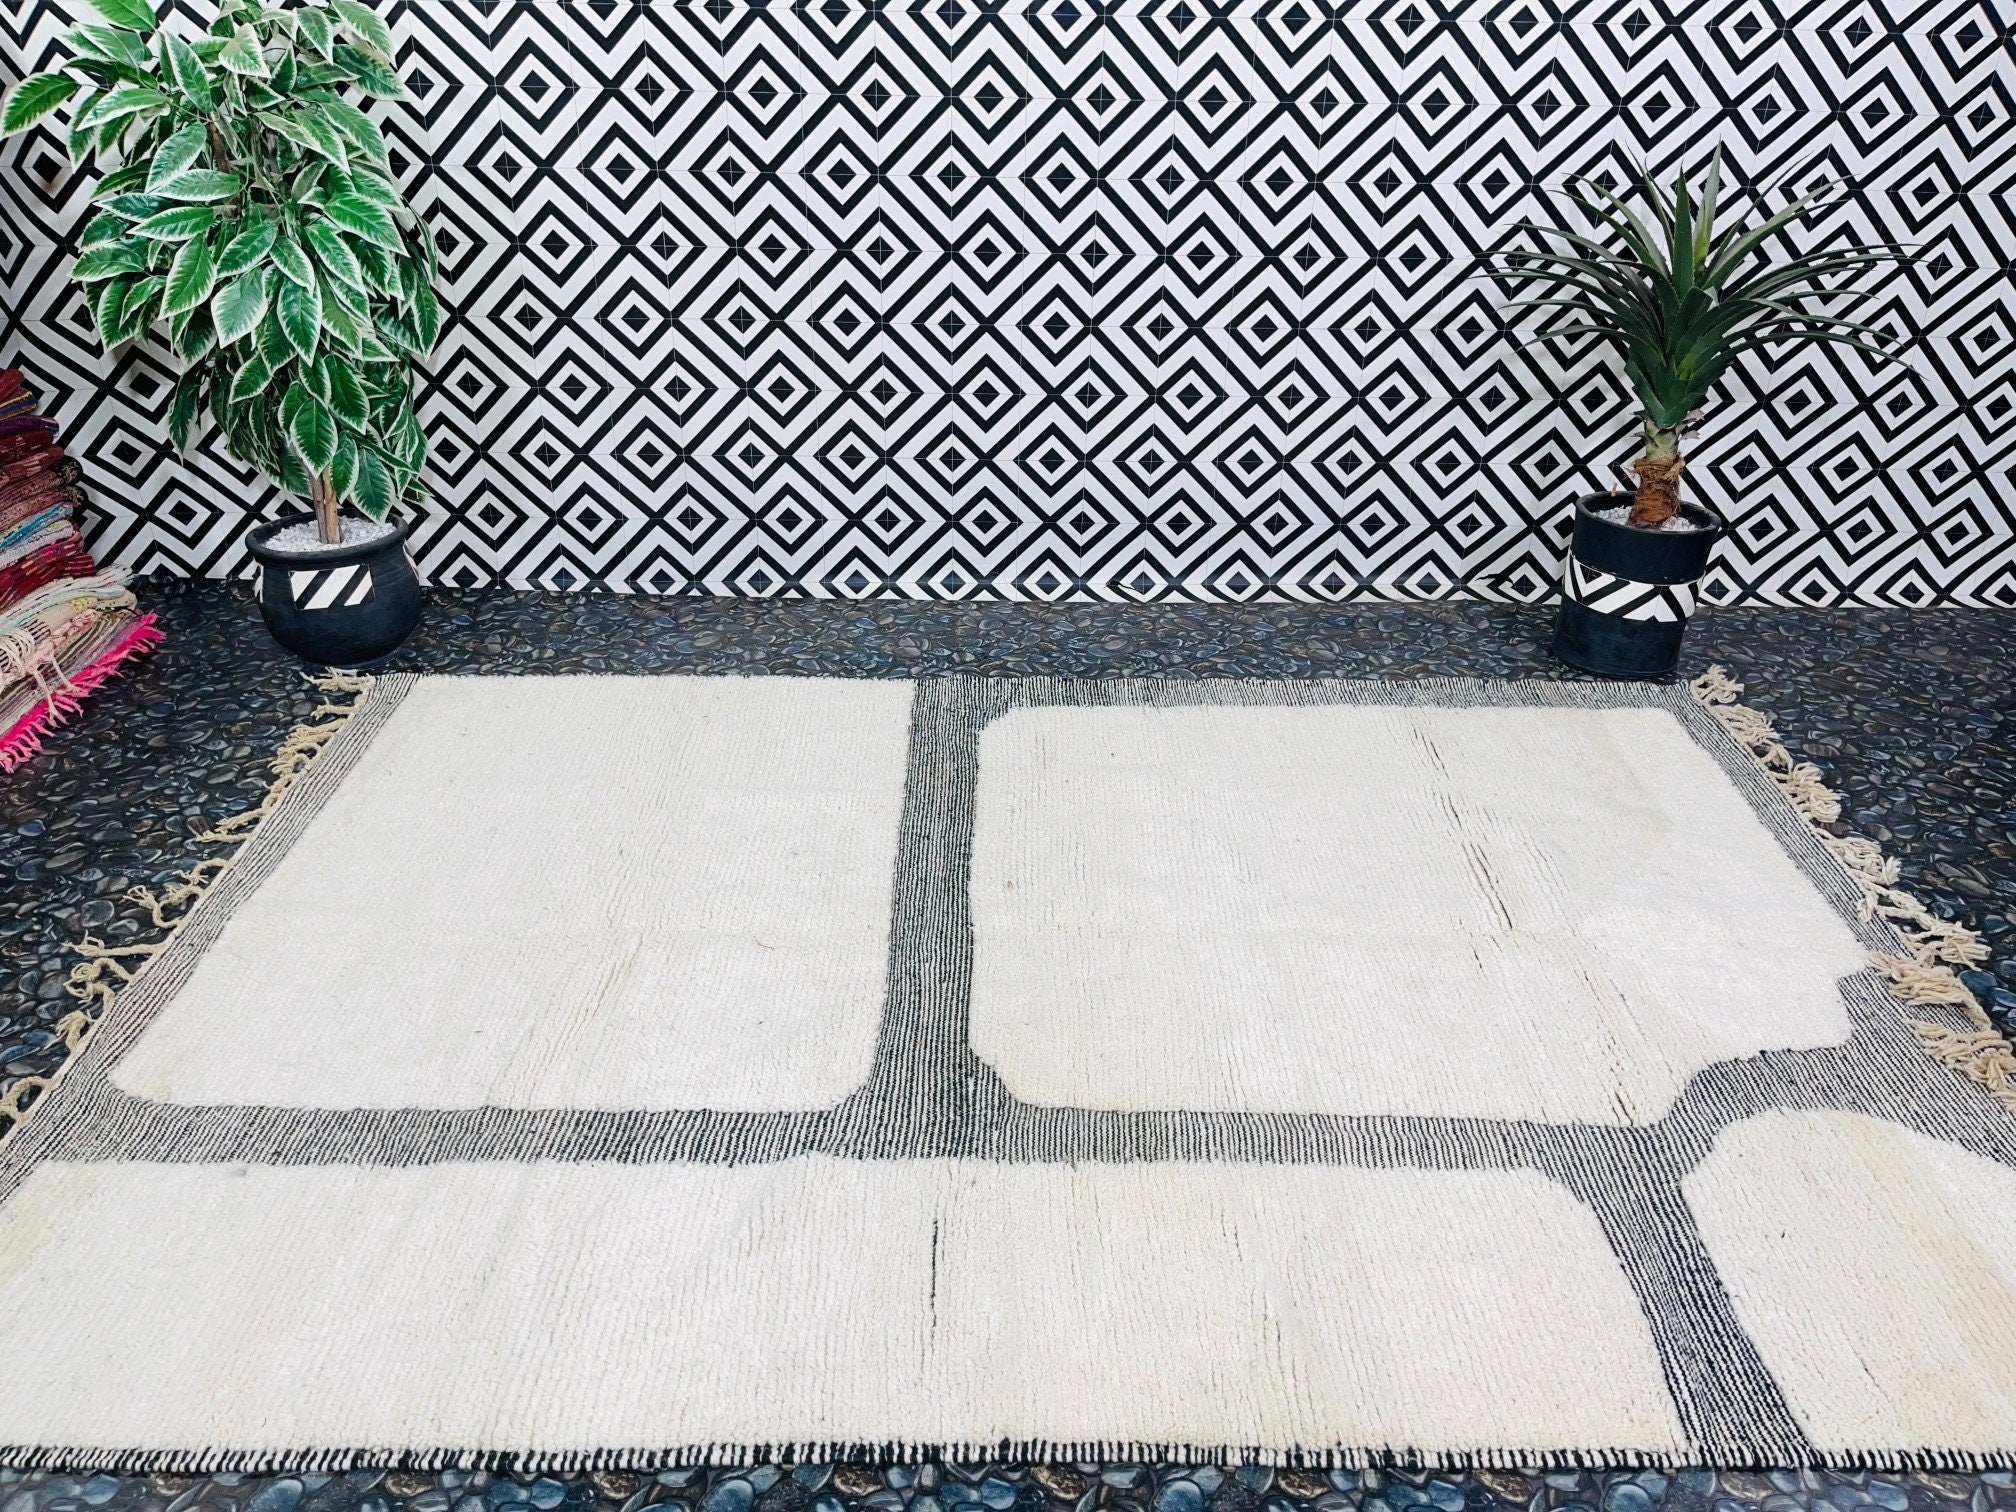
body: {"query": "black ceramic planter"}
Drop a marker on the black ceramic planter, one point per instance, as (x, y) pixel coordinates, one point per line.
(1628, 593)
(337, 606)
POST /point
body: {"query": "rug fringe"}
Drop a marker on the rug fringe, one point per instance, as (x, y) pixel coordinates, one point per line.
(1925, 978)
(95, 980)
(298, 752)
(1369, 1460)
(1372, 1460)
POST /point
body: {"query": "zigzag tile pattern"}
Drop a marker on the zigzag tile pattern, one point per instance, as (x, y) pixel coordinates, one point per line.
(1134, 299)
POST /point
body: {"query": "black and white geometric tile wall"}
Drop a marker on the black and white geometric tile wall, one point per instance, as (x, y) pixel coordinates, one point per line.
(1134, 299)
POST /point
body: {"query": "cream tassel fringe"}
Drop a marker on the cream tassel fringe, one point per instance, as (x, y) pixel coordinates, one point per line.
(1925, 977)
(95, 980)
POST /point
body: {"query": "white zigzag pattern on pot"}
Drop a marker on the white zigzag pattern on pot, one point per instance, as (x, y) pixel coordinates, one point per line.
(1608, 594)
(1138, 299)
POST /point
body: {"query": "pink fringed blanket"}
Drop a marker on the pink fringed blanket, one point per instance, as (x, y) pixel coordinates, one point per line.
(59, 695)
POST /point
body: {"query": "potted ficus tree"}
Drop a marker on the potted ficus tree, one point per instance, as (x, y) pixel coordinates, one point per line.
(246, 210)
(1679, 298)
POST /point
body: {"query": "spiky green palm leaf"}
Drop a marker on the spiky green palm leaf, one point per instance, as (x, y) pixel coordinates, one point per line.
(1680, 297)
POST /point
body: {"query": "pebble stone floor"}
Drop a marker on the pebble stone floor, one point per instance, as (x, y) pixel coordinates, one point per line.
(1912, 716)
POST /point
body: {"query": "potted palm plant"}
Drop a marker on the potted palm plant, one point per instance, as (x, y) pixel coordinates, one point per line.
(1679, 298)
(246, 210)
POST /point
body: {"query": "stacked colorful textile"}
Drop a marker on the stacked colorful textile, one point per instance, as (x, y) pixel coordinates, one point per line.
(64, 625)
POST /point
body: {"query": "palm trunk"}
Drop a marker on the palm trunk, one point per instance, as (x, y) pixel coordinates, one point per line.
(328, 524)
(1658, 478)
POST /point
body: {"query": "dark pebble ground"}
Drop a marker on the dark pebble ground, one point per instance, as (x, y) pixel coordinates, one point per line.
(1911, 715)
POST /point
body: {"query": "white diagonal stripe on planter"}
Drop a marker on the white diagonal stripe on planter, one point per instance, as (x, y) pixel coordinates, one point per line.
(1607, 593)
(332, 587)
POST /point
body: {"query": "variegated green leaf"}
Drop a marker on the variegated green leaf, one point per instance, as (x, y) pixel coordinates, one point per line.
(337, 260)
(120, 181)
(79, 137)
(292, 472)
(426, 317)
(180, 151)
(193, 334)
(105, 306)
(346, 395)
(361, 218)
(201, 185)
(113, 44)
(314, 376)
(248, 248)
(357, 301)
(109, 261)
(394, 333)
(323, 138)
(183, 409)
(179, 224)
(251, 379)
(312, 429)
(191, 277)
(375, 493)
(343, 468)
(373, 77)
(376, 189)
(299, 309)
(365, 27)
(134, 207)
(189, 73)
(291, 260)
(137, 310)
(239, 306)
(312, 23)
(127, 100)
(273, 343)
(379, 270)
(35, 97)
(242, 54)
(110, 136)
(284, 126)
(358, 129)
(338, 323)
(134, 15)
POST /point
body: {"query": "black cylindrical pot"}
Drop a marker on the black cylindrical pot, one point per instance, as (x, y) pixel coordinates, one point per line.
(337, 606)
(1628, 593)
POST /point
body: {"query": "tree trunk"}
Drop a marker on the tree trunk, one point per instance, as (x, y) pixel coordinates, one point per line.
(328, 523)
(1658, 478)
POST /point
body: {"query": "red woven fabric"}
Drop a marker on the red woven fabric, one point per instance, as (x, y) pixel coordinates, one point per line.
(26, 469)
(63, 559)
(36, 444)
(20, 500)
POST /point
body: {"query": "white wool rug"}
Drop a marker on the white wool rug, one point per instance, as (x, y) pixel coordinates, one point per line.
(579, 1071)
